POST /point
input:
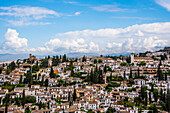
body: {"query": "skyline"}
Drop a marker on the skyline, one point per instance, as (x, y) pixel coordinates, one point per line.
(77, 26)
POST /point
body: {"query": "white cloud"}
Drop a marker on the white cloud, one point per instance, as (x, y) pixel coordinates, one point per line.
(136, 38)
(133, 38)
(25, 15)
(164, 3)
(71, 45)
(26, 11)
(108, 8)
(138, 18)
(26, 23)
(77, 13)
(13, 42)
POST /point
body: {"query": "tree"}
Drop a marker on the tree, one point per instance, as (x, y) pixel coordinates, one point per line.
(84, 59)
(110, 110)
(64, 58)
(95, 61)
(124, 75)
(90, 111)
(1, 68)
(138, 73)
(12, 65)
(142, 63)
(39, 76)
(128, 60)
(110, 76)
(161, 94)
(137, 100)
(153, 108)
(27, 110)
(168, 100)
(105, 69)
(55, 61)
(99, 61)
(23, 98)
(20, 81)
(142, 92)
(130, 76)
(146, 98)
(155, 94)
(165, 76)
(150, 98)
(6, 102)
(30, 99)
(123, 64)
(52, 75)
(91, 75)
(159, 72)
(88, 77)
(74, 95)
(46, 82)
(42, 81)
(44, 63)
(27, 78)
(69, 97)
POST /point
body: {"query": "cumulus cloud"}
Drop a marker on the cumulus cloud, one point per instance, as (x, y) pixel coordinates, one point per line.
(164, 3)
(71, 45)
(136, 38)
(13, 42)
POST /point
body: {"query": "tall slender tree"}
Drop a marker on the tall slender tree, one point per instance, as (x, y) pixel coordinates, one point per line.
(23, 98)
(20, 81)
(74, 95)
(52, 75)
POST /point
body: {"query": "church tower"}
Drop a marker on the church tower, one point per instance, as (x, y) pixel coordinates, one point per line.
(132, 57)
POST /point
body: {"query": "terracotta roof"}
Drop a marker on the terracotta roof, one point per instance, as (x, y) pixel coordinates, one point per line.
(146, 58)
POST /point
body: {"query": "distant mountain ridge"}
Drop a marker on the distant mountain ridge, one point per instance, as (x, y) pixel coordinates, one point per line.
(10, 57)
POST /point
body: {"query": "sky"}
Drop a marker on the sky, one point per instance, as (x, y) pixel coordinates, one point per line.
(53, 27)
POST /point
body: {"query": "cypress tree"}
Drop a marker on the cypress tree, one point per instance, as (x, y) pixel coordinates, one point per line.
(111, 76)
(105, 68)
(74, 95)
(146, 98)
(23, 98)
(42, 81)
(20, 81)
(91, 75)
(130, 73)
(142, 92)
(69, 97)
(6, 102)
(138, 73)
(46, 82)
(165, 76)
(124, 75)
(159, 72)
(64, 58)
(161, 94)
(150, 99)
(88, 77)
(52, 75)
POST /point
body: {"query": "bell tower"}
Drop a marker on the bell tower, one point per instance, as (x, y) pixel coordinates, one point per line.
(132, 57)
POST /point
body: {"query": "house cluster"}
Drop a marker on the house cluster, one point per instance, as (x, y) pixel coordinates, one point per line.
(93, 97)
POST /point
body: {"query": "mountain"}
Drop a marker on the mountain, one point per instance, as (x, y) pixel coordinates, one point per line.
(10, 57)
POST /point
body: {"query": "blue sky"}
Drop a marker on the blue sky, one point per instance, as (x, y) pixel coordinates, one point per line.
(86, 26)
